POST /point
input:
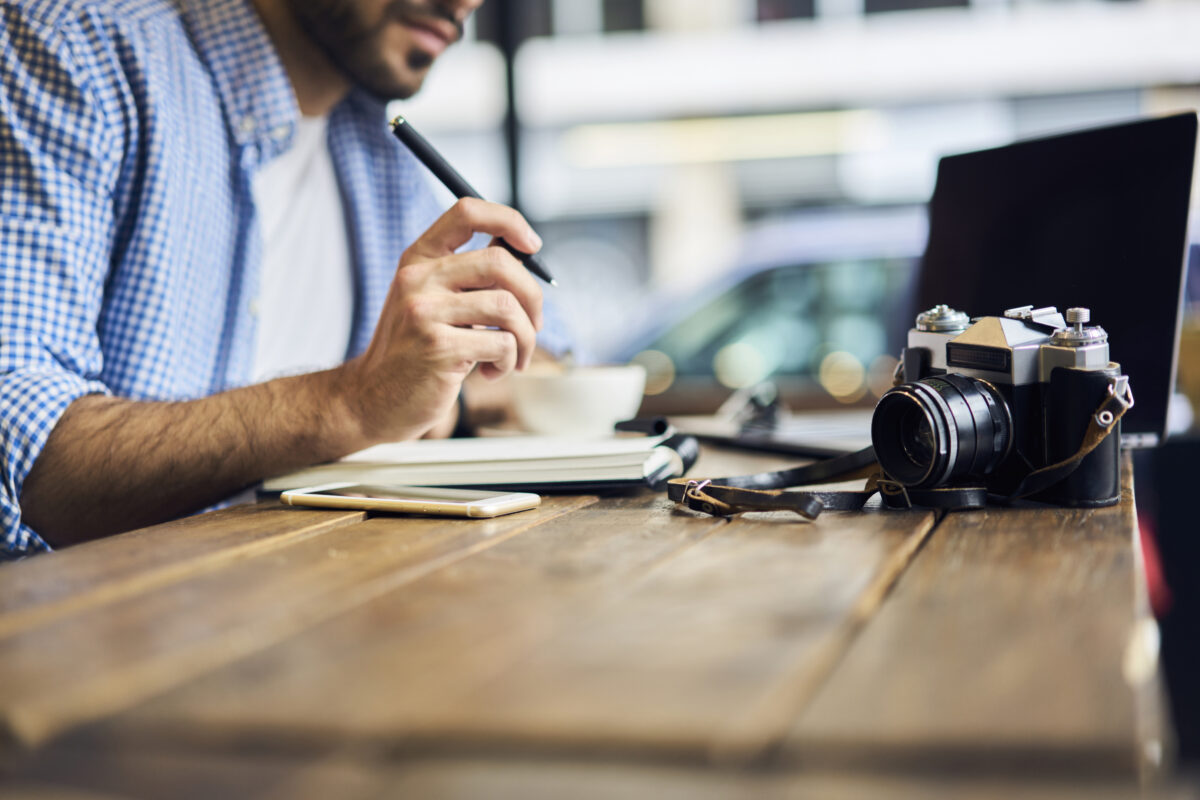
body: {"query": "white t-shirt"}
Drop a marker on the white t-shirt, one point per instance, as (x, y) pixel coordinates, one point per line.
(305, 303)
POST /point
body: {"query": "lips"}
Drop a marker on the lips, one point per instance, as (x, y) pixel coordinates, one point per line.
(427, 41)
(432, 34)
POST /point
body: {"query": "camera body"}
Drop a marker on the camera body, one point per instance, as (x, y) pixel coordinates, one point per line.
(989, 401)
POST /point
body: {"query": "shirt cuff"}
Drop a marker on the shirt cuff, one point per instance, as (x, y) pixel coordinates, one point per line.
(32, 400)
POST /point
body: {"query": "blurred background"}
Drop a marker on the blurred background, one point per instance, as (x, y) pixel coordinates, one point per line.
(734, 190)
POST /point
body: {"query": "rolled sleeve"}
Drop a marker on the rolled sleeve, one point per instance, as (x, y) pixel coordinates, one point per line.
(58, 160)
(32, 400)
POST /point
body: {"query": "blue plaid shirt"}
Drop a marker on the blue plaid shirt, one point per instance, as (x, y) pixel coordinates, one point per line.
(130, 131)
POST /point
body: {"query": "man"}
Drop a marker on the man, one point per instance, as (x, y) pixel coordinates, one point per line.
(150, 276)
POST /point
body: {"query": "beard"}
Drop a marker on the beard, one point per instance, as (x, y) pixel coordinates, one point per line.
(370, 47)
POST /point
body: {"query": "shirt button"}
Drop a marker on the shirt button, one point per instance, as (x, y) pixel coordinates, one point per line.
(253, 308)
(280, 132)
(247, 124)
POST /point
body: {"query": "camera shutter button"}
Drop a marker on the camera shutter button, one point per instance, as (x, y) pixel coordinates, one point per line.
(1079, 334)
(943, 319)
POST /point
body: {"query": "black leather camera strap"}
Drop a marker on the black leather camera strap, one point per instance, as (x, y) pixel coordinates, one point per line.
(776, 491)
(766, 491)
(1100, 426)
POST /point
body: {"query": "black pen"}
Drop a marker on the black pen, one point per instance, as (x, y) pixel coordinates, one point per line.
(449, 176)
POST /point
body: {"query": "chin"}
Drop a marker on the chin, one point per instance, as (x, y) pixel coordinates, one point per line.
(394, 81)
(397, 91)
(389, 87)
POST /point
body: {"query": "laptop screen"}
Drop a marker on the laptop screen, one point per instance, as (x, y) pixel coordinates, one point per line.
(1095, 219)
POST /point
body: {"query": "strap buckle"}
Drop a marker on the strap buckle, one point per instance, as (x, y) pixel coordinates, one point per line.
(695, 498)
(1118, 401)
(893, 492)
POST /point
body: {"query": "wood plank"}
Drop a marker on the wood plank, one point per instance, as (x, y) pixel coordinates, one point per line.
(70, 773)
(1002, 647)
(524, 779)
(83, 666)
(622, 626)
(711, 657)
(437, 638)
(34, 591)
(83, 775)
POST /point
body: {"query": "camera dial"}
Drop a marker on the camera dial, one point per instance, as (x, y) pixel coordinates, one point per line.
(1076, 345)
(1079, 334)
(942, 319)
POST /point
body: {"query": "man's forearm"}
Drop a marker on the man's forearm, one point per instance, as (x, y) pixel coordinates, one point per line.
(112, 464)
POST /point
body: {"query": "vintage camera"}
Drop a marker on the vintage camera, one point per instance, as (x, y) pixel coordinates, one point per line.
(987, 402)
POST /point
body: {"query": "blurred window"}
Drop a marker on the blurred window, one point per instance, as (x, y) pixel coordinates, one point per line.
(624, 15)
(771, 10)
(876, 6)
(529, 18)
(785, 321)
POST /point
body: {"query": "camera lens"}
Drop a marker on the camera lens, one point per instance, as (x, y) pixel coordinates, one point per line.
(931, 431)
(916, 436)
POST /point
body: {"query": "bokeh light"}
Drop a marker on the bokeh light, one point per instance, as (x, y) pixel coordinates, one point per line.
(739, 365)
(881, 373)
(843, 376)
(660, 370)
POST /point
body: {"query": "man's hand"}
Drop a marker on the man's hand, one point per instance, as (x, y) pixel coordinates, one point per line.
(445, 313)
(112, 464)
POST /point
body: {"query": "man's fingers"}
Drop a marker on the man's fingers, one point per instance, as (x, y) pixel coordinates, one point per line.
(495, 351)
(447, 312)
(494, 308)
(468, 217)
(490, 268)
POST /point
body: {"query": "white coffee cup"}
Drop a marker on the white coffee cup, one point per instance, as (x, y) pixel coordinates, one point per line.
(577, 400)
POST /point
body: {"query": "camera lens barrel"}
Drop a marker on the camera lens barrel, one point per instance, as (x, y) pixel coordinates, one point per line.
(932, 431)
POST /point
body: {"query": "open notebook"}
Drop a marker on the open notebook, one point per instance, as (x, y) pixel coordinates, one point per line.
(529, 463)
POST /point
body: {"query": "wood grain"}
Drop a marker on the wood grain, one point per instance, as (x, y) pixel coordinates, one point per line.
(626, 625)
(595, 647)
(710, 657)
(83, 775)
(103, 659)
(1002, 645)
(407, 653)
(36, 590)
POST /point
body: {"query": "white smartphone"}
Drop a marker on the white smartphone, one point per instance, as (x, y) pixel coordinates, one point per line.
(412, 499)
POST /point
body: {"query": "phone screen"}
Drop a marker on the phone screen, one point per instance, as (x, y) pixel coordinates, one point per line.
(413, 493)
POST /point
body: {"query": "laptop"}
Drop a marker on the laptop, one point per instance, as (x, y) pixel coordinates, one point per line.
(1096, 218)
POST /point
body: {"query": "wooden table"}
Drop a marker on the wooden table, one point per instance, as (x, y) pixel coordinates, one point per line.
(595, 647)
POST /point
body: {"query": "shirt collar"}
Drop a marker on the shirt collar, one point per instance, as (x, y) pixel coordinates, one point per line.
(255, 91)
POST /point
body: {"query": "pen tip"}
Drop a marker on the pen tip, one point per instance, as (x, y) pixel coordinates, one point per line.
(553, 282)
